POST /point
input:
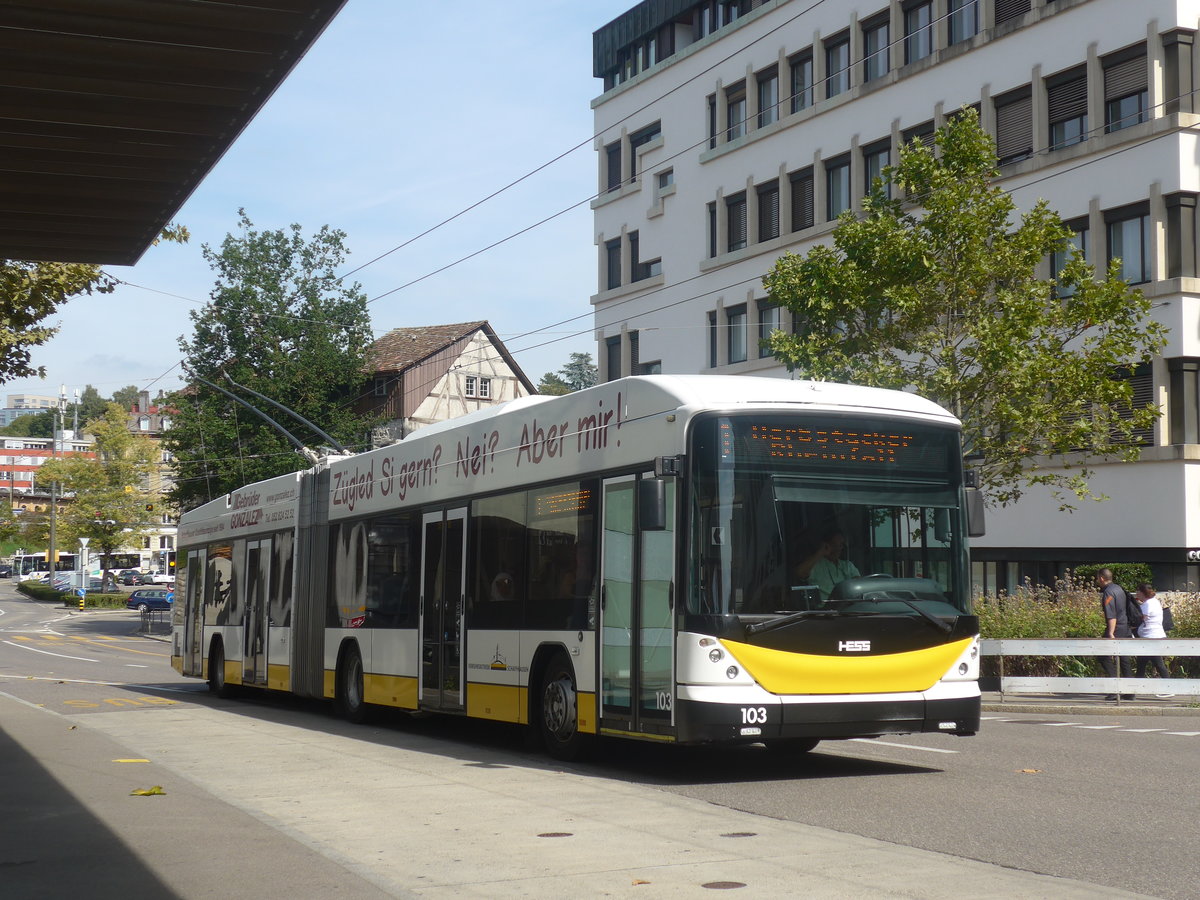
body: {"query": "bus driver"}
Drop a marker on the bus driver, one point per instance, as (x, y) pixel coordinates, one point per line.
(825, 567)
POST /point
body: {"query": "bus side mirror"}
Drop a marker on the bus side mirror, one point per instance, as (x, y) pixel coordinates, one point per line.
(652, 504)
(976, 527)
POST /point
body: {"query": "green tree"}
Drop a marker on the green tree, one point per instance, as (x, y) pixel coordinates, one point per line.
(552, 384)
(127, 396)
(34, 424)
(944, 298)
(111, 499)
(580, 372)
(281, 323)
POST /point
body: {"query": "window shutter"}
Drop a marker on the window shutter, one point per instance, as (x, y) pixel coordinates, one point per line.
(1125, 78)
(1014, 129)
(1067, 99)
(1010, 9)
(768, 212)
(736, 210)
(802, 202)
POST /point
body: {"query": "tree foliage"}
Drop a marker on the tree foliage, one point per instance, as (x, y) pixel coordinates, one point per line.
(552, 384)
(111, 497)
(576, 375)
(281, 323)
(943, 296)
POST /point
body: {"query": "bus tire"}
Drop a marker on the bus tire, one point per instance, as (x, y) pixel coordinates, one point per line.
(350, 697)
(792, 746)
(558, 711)
(216, 671)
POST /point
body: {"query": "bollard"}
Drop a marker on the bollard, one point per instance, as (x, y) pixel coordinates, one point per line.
(82, 597)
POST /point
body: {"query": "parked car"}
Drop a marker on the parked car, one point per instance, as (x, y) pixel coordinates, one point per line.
(132, 577)
(147, 599)
(5, 570)
(162, 578)
(66, 582)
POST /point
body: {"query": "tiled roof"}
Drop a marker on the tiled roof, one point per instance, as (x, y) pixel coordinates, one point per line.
(403, 347)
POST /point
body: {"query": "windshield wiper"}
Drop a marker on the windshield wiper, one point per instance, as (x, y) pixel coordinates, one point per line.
(790, 619)
(940, 624)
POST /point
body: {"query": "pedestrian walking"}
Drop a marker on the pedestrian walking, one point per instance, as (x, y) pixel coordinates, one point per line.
(1151, 628)
(1116, 625)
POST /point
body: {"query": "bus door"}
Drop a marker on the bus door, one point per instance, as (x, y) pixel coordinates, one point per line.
(257, 606)
(637, 680)
(443, 580)
(193, 613)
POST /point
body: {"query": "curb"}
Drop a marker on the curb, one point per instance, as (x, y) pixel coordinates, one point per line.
(1099, 709)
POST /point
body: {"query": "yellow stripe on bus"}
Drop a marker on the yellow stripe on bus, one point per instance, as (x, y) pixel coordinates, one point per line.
(390, 690)
(784, 672)
(499, 702)
(279, 678)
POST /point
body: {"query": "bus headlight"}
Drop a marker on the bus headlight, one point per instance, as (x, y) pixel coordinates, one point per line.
(732, 672)
(963, 668)
(716, 654)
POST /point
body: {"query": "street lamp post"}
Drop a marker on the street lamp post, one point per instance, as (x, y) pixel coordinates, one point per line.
(56, 430)
(82, 567)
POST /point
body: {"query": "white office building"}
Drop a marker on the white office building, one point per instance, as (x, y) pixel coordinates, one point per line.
(731, 132)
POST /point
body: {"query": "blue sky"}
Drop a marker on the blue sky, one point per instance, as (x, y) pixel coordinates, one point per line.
(399, 116)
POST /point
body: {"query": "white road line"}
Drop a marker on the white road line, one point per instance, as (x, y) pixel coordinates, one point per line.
(1098, 727)
(1143, 730)
(135, 666)
(48, 653)
(1184, 733)
(1061, 724)
(904, 746)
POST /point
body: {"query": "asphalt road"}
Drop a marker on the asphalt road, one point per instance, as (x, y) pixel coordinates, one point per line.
(1103, 799)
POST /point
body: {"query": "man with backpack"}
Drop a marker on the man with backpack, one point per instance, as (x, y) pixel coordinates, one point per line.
(1114, 605)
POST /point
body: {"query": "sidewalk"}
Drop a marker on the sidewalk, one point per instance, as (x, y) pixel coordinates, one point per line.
(1090, 704)
(282, 805)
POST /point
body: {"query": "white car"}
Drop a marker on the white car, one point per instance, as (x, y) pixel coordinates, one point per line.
(162, 577)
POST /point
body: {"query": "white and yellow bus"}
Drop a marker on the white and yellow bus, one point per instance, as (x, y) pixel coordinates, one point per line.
(652, 558)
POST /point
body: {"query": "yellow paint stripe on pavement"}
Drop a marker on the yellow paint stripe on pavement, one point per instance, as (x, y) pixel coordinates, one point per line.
(131, 760)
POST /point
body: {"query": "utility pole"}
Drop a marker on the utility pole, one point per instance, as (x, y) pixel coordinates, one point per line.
(52, 562)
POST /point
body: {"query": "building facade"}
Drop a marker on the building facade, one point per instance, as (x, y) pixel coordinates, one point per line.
(732, 132)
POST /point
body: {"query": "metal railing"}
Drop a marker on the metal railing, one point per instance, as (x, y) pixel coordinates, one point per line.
(1094, 647)
(158, 621)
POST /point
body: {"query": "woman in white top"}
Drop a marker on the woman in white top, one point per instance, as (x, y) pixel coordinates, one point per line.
(1151, 627)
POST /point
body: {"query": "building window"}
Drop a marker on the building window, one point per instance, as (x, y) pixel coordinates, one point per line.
(1184, 398)
(768, 211)
(875, 158)
(665, 179)
(612, 356)
(1077, 245)
(612, 263)
(612, 164)
(477, 387)
(837, 66)
(641, 269)
(1007, 10)
(640, 139)
(918, 31)
(712, 121)
(1066, 105)
(379, 387)
(964, 20)
(803, 215)
(875, 49)
(143, 423)
(837, 187)
(735, 220)
(1014, 125)
(735, 111)
(1128, 241)
(712, 230)
(1125, 94)
(768, 96)
(712, 340)
(768, 321)
(802, 81)
(735, 320)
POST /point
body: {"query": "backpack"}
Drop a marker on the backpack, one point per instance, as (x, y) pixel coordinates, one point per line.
(1133, 613)
(1168, 619)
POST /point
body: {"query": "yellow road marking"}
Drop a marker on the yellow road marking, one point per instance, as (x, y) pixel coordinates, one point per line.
(131, 760)
(84, 640)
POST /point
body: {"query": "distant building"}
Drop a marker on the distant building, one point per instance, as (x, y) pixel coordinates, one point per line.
(423, 375)
(24, 405)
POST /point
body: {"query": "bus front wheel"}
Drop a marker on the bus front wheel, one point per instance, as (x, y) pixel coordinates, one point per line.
(350, 696)
(559, 713)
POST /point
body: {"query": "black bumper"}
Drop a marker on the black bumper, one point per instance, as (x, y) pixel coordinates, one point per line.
(698, 722)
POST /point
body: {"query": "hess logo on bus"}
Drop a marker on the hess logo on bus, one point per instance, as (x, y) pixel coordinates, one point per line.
(854, 646)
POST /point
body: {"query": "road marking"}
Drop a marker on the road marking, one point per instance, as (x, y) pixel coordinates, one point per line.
(131, 760)
(1098, 727)
(1184, 733)
(48, 653)
(1143, 730)
(904, 746)
(1061, 724)
(136, 666)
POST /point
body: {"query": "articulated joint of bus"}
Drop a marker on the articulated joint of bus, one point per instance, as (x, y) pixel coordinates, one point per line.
(731, 690)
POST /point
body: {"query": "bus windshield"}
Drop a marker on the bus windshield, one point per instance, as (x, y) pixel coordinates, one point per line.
(823, 512)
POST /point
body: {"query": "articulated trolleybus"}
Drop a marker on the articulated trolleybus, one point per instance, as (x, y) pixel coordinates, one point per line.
(654, 558)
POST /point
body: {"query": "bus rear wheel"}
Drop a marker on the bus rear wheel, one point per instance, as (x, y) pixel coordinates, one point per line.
(351, 700)
(558, 714)
(216, 671)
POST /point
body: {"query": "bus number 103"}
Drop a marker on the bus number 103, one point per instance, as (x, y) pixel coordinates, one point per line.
(754, 715)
